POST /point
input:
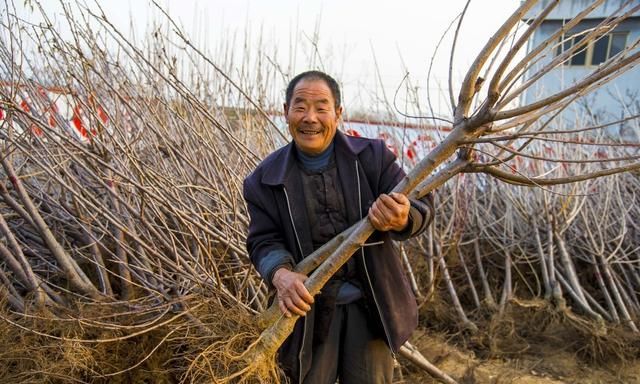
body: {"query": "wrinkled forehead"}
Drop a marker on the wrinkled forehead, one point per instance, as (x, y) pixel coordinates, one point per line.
(312, 90)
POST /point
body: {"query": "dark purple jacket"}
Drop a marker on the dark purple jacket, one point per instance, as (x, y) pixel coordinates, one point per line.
(279, 230)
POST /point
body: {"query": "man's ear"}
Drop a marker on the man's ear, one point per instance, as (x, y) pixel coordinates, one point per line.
(286, 112)
(339, 112)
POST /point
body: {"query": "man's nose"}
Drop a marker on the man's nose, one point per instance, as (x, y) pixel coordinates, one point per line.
(311, 116)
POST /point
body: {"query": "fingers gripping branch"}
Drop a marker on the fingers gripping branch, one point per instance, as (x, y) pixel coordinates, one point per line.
(293, 296)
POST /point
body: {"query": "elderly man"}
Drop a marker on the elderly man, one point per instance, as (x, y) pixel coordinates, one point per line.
(300, 197)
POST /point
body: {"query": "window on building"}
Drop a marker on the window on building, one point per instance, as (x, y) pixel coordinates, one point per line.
(596, 52)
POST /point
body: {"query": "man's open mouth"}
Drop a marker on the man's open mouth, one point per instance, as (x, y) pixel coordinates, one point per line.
(310, 131)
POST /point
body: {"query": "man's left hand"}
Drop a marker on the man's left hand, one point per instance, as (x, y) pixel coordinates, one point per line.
(390, 212)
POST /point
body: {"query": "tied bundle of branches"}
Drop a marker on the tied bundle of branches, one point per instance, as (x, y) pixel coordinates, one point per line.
(147, 185)
(120, 185)
(139, 197)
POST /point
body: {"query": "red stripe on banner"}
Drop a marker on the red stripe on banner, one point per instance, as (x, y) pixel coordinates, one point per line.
(25, 106)
(52, 121)
(77, 123)
(353, 132)
(36, 130)
(102, 115)
(411, 154)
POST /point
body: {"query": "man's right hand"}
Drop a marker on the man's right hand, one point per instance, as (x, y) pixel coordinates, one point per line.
(291, 292)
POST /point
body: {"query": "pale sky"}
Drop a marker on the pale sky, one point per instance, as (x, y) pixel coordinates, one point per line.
(401, 33)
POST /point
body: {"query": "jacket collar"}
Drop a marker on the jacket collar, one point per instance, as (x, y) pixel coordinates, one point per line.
(281, 169)
(284, 160)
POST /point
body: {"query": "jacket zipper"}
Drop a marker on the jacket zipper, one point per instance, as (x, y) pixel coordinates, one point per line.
(366, 271)
(304, 319)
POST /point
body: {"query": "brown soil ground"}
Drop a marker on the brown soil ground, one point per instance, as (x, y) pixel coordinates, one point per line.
(529, 344)
(547, 366)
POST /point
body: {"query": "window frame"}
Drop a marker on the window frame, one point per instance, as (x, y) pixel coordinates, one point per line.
(587, 50)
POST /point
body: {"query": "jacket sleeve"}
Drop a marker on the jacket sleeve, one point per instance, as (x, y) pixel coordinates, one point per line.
(421, 211)
(265, 243)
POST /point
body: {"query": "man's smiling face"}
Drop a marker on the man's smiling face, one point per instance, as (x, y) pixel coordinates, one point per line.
(312, 116)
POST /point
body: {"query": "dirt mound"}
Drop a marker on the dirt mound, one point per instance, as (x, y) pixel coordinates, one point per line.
(532, 343)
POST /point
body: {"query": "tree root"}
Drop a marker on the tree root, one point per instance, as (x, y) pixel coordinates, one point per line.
(235, 361)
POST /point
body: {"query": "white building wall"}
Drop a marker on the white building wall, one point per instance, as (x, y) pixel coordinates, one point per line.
(566, 9)
(617, 99)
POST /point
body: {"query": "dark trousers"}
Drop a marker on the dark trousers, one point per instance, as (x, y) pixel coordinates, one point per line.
(351, 352)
